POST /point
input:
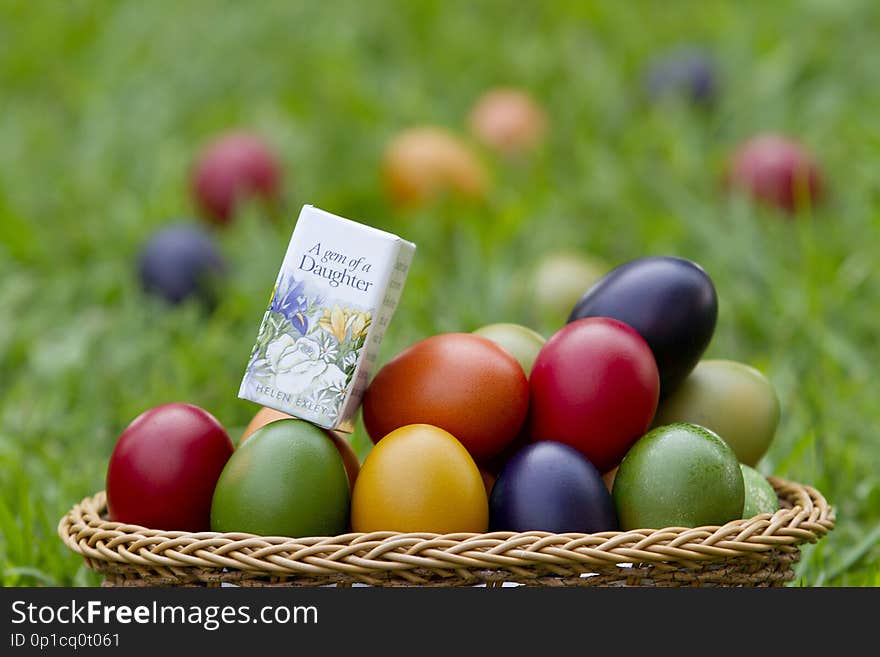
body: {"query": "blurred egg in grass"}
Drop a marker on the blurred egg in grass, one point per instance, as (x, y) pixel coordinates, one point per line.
(460, 382)
(520, 341)
(687, 73)
(551, 487)
(777, 171)
(422, 164)
(419, 478)
(349, 458)
(288, 479)
(181, 262)
(678, 475)
(232, 169)
(760, 497)
(560, 279)
(670, 301)
(733, 399)
(508, 120)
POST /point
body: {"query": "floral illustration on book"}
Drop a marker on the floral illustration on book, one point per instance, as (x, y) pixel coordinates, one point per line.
(306, 348)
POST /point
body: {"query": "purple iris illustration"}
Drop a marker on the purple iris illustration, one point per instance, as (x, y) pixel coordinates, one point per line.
(290, 300)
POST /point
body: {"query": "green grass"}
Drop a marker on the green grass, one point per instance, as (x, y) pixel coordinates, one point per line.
(104, 104)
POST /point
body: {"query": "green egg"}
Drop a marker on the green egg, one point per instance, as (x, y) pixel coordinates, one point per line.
(760, 496)
(520, 341)
(287, 479)
(732, 399)
(678, 475)
(560, 279)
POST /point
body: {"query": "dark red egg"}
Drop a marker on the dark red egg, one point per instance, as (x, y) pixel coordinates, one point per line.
(233, 169)
(164, 468)
(777, 171)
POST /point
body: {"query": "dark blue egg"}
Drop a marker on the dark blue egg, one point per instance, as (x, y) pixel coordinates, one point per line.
(551, 487)
(670, 301)
(181, 262)
(689, 73)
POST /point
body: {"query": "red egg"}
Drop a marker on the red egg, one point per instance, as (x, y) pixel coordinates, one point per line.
(164, 468)
(595, 387)
(234, 168)
(463, 383)
(777, 171)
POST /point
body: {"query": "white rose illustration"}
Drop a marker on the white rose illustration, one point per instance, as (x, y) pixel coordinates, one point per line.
(297, 366)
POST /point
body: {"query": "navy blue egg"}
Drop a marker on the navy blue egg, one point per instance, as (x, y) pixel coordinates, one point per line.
(688, 73)
(549, 486)
(670, 301)
(180, 262)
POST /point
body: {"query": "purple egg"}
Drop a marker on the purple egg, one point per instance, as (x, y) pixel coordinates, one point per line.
(549, 486)
(670, 301)
(181, 262)
(689, 73)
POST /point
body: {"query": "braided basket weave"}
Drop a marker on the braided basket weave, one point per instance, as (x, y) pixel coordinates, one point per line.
(758, 551)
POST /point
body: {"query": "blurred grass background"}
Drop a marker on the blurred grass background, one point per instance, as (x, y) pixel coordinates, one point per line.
(103, 106)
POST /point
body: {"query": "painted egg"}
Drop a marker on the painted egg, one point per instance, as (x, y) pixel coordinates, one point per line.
(760, 496)
(266, 415)
(594, 387)
(678, 475)
(548, 486)
(732, 399)
(520, 341)
(426, 163)
(688, 73)
(181, 262)
(288, 479)
(460, 382)
(164, 468)
(559, 280)
(777, 171)
(419, 478)
(670, 301)
(508, 120)
(232, 169)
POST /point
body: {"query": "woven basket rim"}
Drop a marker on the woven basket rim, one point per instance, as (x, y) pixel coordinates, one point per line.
(804, 517)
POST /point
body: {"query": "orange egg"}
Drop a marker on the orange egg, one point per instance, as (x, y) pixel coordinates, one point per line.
(266, 415)
(460, 382)
(508, 120)
(424, 163)
(419, 478)
(263, 417)
(608, 478)
(488, 480)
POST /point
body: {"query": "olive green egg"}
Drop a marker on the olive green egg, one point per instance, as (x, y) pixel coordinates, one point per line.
(519, 341)
(678, 475)
(287, 479)
(760, 496)
(733, 399)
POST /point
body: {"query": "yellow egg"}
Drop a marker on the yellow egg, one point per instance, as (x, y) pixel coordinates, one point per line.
(419, 478)
(424, 163)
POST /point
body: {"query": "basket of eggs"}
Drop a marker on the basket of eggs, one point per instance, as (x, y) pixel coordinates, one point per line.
(610, 454)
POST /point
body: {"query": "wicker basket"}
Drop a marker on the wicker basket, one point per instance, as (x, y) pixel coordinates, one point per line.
(758, 551)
